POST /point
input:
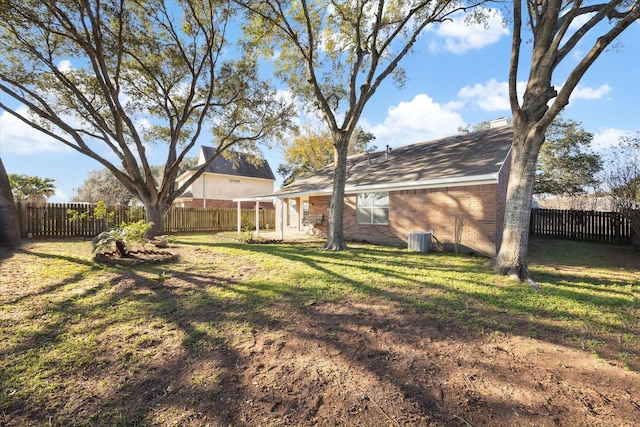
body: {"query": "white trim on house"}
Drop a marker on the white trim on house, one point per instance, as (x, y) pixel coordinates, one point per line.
(503, 163)
(186, 175)
(398, 186)
(256, 199)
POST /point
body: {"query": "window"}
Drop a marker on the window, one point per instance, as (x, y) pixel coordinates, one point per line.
(372, 208)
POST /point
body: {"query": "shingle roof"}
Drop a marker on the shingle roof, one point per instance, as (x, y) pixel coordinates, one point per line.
(475, 154)
(240, 167)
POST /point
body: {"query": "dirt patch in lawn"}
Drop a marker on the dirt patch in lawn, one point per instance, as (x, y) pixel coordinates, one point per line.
(356, 363)
(353, 361)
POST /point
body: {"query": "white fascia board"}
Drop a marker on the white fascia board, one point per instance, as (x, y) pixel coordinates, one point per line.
(504, 162)
(256, 199)
(401, 186)
(430, 183)
(222, 175)
(186, 175)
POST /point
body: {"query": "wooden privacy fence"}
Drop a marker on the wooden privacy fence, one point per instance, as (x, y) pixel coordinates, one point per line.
(606, 227)
(56, 219)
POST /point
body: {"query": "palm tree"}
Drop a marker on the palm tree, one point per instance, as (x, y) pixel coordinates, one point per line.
(32, 189)
(40, 190)
(35, 191)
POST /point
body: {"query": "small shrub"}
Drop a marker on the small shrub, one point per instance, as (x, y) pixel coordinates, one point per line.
(246, 224)
(121, 237)
(100, 212)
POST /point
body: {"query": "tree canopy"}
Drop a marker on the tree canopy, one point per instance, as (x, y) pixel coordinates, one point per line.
(101, 185)
(566, 166)
(622, 178)
(31, 189)
(312, 149)
(335, 56)
(112, 78)
(623, 182)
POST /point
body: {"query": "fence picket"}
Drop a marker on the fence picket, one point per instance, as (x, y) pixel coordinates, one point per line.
(54, 219)
(605, 227)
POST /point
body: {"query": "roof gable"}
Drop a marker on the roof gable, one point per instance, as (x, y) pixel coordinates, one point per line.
(478, 153)
(241, 166)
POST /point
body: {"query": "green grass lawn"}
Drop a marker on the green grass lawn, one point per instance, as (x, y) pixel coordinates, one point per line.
(65, 320)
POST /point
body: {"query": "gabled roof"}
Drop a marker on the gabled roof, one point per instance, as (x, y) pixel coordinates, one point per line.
(240, 167)
(475, 157)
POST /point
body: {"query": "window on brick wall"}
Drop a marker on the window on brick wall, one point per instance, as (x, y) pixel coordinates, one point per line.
(372, 208)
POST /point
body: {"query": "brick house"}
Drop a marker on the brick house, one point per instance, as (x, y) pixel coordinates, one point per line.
(225, 179)
(455, 186)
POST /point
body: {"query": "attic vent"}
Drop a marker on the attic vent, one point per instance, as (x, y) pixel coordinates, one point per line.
(498, 123)
(388, 153)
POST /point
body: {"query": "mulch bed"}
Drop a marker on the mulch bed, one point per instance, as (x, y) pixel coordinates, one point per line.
(136, 257)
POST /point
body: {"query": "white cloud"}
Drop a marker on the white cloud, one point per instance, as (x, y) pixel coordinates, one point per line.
(493, 95)
(607, 138)
(60, 196)
(420, 119)
(65, 66)
(579, 21)
(18, 138)
(458, 36)
(583, 92)
(488, 96)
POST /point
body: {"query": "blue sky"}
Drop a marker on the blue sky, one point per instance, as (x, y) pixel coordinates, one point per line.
(457, 75)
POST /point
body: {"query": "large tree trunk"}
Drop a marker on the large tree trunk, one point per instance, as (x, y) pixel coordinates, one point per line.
(9, 225)
(335, 238)
(156, 213)
(512, 256)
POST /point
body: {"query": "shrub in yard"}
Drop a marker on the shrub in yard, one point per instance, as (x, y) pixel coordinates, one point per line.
(246, 224)
(100, 212)
(122, 237)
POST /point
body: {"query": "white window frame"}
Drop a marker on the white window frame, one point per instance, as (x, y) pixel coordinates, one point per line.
(369, 203)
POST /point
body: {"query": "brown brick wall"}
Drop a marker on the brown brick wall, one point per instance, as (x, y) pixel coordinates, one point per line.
(320, 205)
(421, 210)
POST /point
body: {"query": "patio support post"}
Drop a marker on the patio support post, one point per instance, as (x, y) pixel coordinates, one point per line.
(204, 192)
(257, 219)
(239, 217)
(281, 219)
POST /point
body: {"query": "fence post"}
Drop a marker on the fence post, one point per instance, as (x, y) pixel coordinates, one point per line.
(21, 224)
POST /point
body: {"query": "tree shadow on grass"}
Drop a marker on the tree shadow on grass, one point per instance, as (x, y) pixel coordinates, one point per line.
(197, 348)
(482, 306)
(6, 252)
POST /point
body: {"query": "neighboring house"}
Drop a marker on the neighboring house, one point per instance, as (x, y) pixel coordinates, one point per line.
(455, 186)
(582, 202)
(224, 180)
